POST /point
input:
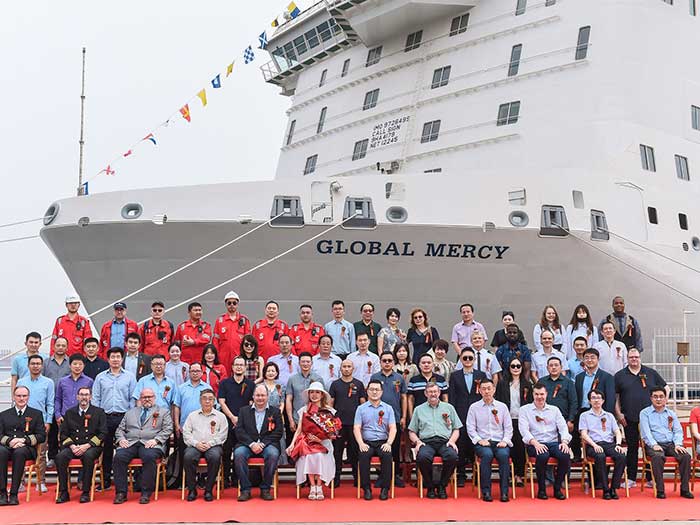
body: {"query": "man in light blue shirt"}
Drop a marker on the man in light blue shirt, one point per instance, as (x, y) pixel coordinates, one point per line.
(580, 345)
(20, 367)
(663, 436)
(166, 391)
(342, 331)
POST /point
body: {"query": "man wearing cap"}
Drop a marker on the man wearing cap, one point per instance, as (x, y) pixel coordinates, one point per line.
(156, 333)
(192, 335)
(229, 330)
(114, 332)
(73, 326)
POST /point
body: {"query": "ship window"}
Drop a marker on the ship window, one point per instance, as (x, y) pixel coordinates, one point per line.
(459, 24)
(599, 226)
(321, 120)
(431, 130)
(653, 216)
(693, 8)
(647, 154)
(683, 221)
(578, 199)
(396, 214)
(289, 51)
(413, 41)
(290, 206)
(362, 206)
(360, 150)
(682, 168)
(334, 26)
(554, 221)
(508, 113)
(518, 218)
(290, 133)
(433, 170)
(520, 7)
(550, 2)
(132, 210)
(373, 56)
(696, 244)
(371, 98)
(51, 213)
(324, 74)
(346, 68)
(515, 60)
(312, 38)
(517, 197)
(310, 165)
(584, 35)
(324, 31)
(300, 45)
(441, 77)
(695, 117)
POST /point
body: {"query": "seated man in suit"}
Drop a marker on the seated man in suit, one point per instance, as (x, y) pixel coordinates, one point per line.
(21, 430)
(81, 436)
(258, 434)
(204, 433)
(143, 434)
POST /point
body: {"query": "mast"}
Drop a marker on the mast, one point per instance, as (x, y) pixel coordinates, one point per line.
(81, 142)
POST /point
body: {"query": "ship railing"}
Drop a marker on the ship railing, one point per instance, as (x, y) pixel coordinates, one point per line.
(681, 373)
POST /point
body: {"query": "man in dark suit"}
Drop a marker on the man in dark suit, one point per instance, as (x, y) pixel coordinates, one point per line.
(462, 393)
(258, 434)
(21, 430)
(592, 378)
(81, 435)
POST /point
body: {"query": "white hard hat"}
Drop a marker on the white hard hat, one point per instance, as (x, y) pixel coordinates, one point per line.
(231, 295)
(72, 299)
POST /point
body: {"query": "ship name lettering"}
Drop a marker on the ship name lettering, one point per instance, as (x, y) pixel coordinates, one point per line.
(405, 249)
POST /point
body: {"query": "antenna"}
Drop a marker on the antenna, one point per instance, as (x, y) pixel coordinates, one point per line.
(81, 142)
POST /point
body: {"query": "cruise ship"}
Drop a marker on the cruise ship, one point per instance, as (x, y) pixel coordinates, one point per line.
(504, 153)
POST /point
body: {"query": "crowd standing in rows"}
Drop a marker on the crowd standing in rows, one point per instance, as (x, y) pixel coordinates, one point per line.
(324, 396)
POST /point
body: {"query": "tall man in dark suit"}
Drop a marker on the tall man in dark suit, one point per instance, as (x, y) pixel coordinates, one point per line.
(21, 430)
(81, 435)
(258, 434)
(462, 393)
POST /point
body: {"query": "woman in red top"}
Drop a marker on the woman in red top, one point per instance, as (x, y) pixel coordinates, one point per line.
(214, 372)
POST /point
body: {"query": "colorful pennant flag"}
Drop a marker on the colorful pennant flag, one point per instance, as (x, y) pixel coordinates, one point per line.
(274, 23)
(185, 112)
(150, 137)
(216, 82)
(262, 39)
(248, 55)
(108, 170)
(128, 153)
(203, 96)
(229, 68)
(293, 10)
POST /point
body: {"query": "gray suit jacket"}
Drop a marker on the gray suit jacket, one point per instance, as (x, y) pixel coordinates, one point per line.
(159, 427)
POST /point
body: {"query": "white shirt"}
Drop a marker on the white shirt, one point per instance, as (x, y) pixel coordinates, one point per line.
(365, 365)
(327, 369)
(539, 362)
(613, 356)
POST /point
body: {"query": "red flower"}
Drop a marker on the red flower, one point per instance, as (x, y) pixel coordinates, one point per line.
(595, 384)
(330, 369)
(539, 419)
(212, 426)
(603, 421)
(556, 390)
(289, 363)
(184, 373)
(406, 371)
(446, 419)
(270, 424)
(155, 419)
(27, 420)
(380, 421)
(643, 379)
(86, 420)
(279, 389)
(670, 423)
(369, 366)
(243, 385)
(165, 392)
(495, 416)
(478, 386)
(350, 390)
(397, 386)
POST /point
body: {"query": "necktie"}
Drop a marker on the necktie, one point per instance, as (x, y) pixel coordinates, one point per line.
(478, 360)
(20, 413)
(144, 415)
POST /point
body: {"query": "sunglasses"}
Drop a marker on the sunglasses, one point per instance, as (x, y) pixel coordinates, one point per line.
(157, 310)
(468, 358)
(387, 360)
(228, 303)
(249, 345)
(514, 366)
(418, 317)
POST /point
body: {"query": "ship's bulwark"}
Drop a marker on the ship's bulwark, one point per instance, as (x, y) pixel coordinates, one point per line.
(434, 267)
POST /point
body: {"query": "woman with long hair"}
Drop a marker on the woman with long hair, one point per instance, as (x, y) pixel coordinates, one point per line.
(582, 325)
(391, 333)
(441, 365)
(214, 371)
(548, 321)
(515, 390)
(421, 336)
(253, 362)
(402, 362)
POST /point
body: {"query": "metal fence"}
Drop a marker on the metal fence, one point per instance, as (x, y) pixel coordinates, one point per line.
(681, 373)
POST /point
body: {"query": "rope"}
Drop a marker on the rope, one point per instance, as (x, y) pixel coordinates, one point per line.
(19, 239)
(26, 221)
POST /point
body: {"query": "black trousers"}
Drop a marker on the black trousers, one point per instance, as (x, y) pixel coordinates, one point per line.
(396, 450)
(375, 449)
(563, 465)
(658, 459)
(148, 472)
(52, 440)
(229, 446)
(17, 457)
(191, 458)
(517, 451)
(87, 459)
(426, 455)
(601, 473)
(466, 453)
(575, 443)
(632, 439)
(113, 421)
(346, 440)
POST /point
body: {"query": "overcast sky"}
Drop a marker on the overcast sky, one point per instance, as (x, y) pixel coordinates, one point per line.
(144, 60)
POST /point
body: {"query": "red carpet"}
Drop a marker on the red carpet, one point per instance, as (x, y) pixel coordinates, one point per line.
(407, 507)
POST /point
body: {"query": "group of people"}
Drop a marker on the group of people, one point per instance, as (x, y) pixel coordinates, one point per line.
(321, 397)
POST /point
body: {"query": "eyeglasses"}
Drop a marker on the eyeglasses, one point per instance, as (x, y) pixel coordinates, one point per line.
(515, 366)
(658, 397)
(367, 311)
(468, 358)
(387, 360)
(229, 303)
(148, 397)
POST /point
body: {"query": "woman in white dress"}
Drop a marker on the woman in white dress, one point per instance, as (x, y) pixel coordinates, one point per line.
(311, 446)
(549, 321)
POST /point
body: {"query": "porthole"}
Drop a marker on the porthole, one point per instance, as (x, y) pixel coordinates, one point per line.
(518, 218)
(83, 221)
(696, 244)
(51, 213)
(685, 246)
(396, 214)
(132, 210)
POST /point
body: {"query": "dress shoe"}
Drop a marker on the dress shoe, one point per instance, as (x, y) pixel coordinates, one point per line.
(606, 495)
(336, 482)
(85, 497)
(432, 494)
(487, 498)
(208, 496)
(519, 483)
(442, 493)
(192, 495)
(367, 494)
(144, 500)
(541, 494)
(119, 498)
(384, 494)
(461, 482)
(244, 495)
(227, 484)
(266, 495)
(558, 494)
(687, 494)
(661, 495)
(3, 499)
(613, 494)
(12, 500)
(398, 482)
(63, 497)
(504, 498)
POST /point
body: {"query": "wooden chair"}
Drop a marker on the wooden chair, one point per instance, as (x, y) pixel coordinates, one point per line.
(260, 463)
(30, 471)
(588, 465)
(530, 469)
(494, 463)
(219, 478)
(332, 490)
(437, 460)
(76, 464)
(375, 461)
(160, 474)
(690, 442)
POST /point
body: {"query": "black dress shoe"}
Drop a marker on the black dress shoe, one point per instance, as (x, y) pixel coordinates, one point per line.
(144, 500)
(661, 495)
(606, 495)
(85, 497)
(504, 498)
(119, 498)
(519, 483)
(63, 497)
(208, 496)
(541, 494)
(3, 499)
(487, 498)
(558, 494)
(266, 495)
(442, 493)
(12, 500)
(431, 494)
(192, 495)
(227, 484)
(367, 494)
(384, 494)
(687, 494)
(336, 482)
(244, 495)
(613, 494)
(461, 482)
(398, 482)
(107, 485)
